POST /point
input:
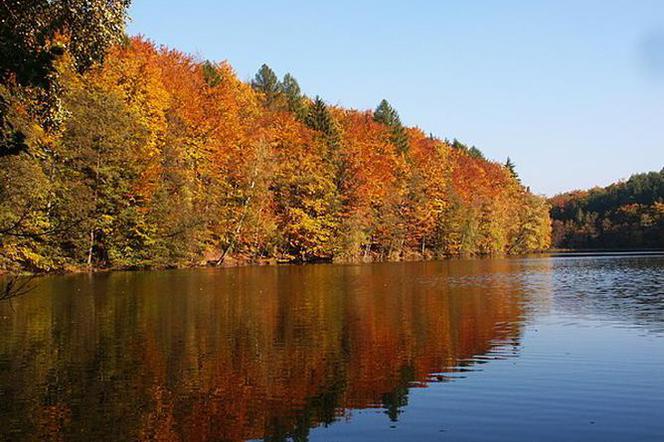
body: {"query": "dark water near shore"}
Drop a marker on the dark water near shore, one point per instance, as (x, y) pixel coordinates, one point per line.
(541, 349)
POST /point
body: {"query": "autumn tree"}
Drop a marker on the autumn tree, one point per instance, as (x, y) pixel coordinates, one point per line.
(534, 226)
(306, 196)
(25, 193)
(104, 144)
(372, 189)
(33, 35)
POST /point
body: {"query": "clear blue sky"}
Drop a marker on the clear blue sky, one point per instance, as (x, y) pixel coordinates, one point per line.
(572, 91)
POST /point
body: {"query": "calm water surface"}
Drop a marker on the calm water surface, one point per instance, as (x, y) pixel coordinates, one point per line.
(541, 349)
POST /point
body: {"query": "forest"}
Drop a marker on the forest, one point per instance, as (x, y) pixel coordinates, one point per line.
(118, 153)
(627, 214)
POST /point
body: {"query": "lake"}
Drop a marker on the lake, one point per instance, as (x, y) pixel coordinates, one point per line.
(547, 348)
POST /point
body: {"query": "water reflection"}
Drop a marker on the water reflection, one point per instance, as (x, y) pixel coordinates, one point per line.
(272, 353)
(244, 353)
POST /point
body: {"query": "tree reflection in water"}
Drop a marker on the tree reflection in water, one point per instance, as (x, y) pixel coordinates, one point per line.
(243, 353)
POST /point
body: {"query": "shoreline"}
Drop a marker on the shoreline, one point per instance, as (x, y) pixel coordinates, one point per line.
(274, 262)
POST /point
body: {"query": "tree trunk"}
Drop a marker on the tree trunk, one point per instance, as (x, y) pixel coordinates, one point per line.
(96, 197)
(238, 228)
(261, 156)
(92, 245)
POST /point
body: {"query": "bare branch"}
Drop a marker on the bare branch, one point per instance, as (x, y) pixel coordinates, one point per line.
(15, 286)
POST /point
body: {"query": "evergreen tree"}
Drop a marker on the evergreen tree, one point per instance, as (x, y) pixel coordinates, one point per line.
(267, 83)
(320, 119)
(211, 74)
(475, 153)
(472, 151)
(509, 164)
(290, 88)
(387, 115)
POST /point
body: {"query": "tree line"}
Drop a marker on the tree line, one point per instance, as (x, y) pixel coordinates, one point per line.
(627, 214)
(117, 153)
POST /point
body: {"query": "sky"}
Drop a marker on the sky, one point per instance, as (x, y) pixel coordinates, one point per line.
(571, 91)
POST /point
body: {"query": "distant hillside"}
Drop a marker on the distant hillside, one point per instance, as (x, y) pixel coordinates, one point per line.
(628, 214)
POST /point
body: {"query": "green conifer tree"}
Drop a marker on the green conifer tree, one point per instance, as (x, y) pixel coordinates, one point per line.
(290, 88)
(509, 164)
(387, 115)
(320, 119)
(211, 74)
(476, 153)
(267, 83)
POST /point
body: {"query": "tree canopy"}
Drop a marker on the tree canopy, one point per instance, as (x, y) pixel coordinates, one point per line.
(162, 160)
(34, 34)
(627, 214)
